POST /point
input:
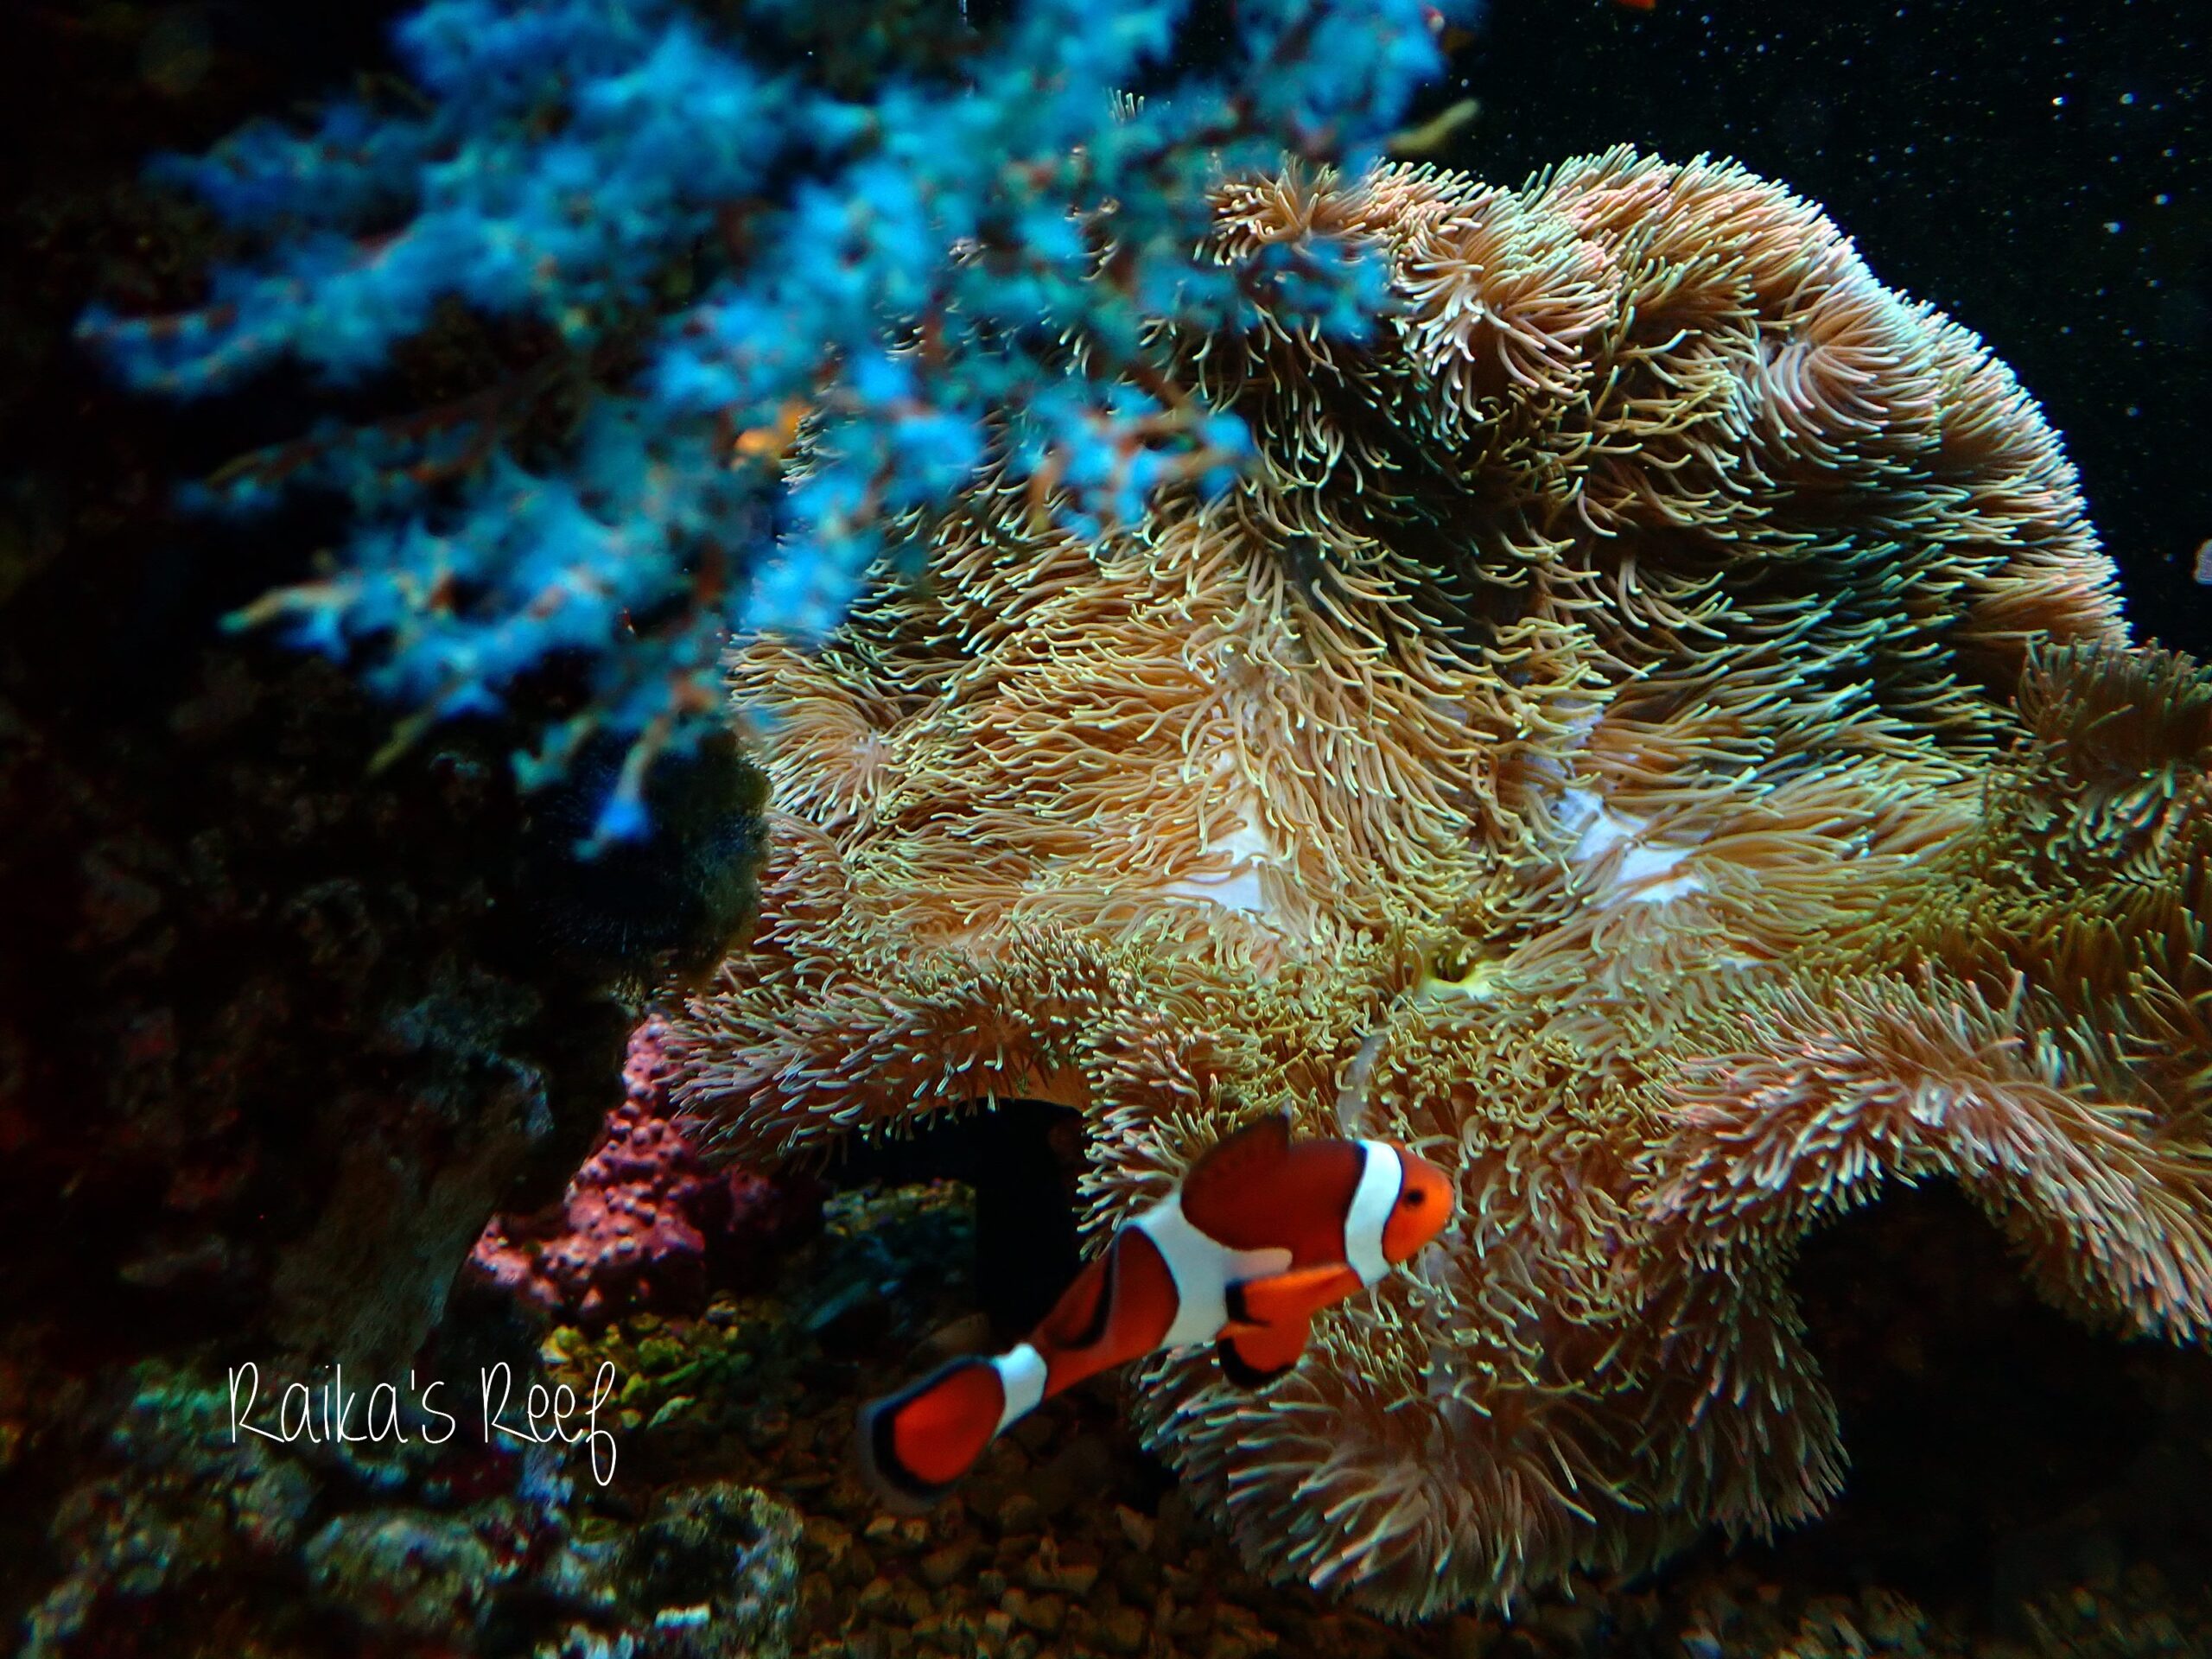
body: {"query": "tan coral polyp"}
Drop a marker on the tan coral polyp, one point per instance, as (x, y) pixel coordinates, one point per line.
(1599, 704)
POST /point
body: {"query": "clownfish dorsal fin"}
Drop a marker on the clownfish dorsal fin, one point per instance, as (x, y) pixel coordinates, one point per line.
(1251, 1155)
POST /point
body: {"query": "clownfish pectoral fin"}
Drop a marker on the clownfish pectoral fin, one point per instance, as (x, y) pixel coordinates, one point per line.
(915, 1445)
(1257, 1354)
(1290, 1297)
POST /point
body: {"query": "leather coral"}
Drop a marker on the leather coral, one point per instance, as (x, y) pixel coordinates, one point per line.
(1605, 739)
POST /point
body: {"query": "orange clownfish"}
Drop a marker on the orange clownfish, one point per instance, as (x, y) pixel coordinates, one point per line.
(1261, 1235)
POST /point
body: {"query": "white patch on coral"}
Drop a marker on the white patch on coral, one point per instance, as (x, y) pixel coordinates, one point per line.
(1247, 840)
(1640, 869)
(1661, 892)
(1237, 887)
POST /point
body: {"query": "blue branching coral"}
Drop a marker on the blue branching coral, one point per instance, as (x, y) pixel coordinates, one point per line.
(783, 310)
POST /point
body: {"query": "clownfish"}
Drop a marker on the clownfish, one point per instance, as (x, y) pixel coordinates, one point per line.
(1263, 1234)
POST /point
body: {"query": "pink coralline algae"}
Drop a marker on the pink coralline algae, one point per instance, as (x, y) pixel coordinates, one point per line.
(645, 1221)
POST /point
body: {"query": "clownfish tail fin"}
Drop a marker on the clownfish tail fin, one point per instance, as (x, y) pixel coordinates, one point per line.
(914, 1445)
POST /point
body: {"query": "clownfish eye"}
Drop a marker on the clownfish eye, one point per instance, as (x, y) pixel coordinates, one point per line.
(1411, 1199)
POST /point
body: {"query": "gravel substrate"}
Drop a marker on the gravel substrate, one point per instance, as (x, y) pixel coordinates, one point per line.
(1069, 1543)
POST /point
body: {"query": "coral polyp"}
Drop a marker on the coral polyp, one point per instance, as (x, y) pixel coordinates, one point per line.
(1634, 737)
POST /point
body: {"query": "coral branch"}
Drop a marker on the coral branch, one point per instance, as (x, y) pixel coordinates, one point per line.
(941, 244)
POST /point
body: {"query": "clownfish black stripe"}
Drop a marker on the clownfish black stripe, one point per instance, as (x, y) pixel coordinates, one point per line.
(1242, 1372)
(1093, 1330)
(1239, 1308)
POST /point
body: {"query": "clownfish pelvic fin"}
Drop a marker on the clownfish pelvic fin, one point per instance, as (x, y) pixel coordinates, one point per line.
(1252, 1356)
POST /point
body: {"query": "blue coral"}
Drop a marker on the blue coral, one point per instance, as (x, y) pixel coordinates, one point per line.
(716, 246)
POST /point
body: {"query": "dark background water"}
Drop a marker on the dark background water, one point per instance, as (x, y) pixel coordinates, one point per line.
(2040, 172)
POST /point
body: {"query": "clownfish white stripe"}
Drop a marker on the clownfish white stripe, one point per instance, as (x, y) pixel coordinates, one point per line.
(1022, 1374)
(1203, 1271)
(1379, 1181)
